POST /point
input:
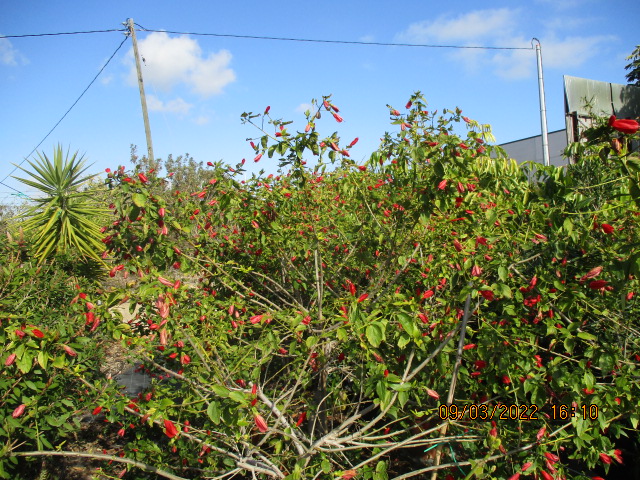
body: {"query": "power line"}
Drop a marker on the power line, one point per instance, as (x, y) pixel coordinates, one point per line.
(344, 42)
(61, 33)
(65, 114)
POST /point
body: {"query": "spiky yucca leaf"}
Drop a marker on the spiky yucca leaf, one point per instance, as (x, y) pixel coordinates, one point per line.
(62, 218)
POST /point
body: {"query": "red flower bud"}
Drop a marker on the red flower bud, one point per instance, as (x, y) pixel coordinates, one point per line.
(301, 418)
(70, 351)
(605, 458)
(10, 359)
(143, 178)
(18, 411)
(260, 423)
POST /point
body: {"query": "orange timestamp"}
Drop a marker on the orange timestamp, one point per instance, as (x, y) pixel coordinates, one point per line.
(483, 411)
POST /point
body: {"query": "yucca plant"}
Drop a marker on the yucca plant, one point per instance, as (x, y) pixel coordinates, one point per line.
(62, 219)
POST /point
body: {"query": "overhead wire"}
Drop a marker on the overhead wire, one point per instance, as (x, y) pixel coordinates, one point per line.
(344, 42)
(65, 114)
(63, 33)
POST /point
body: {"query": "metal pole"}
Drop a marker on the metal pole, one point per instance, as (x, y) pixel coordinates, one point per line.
(543, 107)
(143, 99)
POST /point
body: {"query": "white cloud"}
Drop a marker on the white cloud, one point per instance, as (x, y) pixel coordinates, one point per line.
(503, 28)
(171, 61)
(201, 120)
(571, 51)
(106, 79)
(367, 38)
(303, 107)
(177, 105)
(470, 27)
(9, 55)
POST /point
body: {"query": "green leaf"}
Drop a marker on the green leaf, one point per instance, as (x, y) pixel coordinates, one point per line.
(503, 274)
(403, 341)
(238, 397)
(586, 336)
(408, 324)
(139, 199)
(213, 412)
(634, 418)
(220, 391)
(43, 359)
(374, 334)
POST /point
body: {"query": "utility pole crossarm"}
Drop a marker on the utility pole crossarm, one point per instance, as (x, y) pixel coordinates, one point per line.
(143, 99)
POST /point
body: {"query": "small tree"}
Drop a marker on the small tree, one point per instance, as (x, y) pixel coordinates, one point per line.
(633, 77)
(62, 219)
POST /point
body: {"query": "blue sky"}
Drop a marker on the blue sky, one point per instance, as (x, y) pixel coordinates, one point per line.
(198, 86)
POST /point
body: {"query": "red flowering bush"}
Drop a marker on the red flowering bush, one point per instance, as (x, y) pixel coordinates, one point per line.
(439, 308)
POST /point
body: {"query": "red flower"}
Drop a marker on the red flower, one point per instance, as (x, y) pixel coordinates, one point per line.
(476, 271)
(143, 178)
(506, 380)
(18, 411)
(363, 297)
(515, 476)
(257, 158)
(337, 117)
(551, 457)
(457, 245)
(121, 432)
(185, 360)
(527, 465)
(20, 333)
(545, 475)
(469, 347)
(433, 394)
(487, 294)
(606, 228)
(170, 429)
(605, 458)
(260, 423)
(266, 110)
(594, 272)
(10, 359)
(597, 284)
(623, 126)
(617, 455)
(442, 185)
(255, 319)
(301, 418)
(96, 410)
(70, 351)
(37, 333)
(354, 141)
(480, 364)
(362, 168)
(165, 282)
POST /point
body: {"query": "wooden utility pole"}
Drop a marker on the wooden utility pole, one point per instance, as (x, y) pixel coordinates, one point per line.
(143, 99)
